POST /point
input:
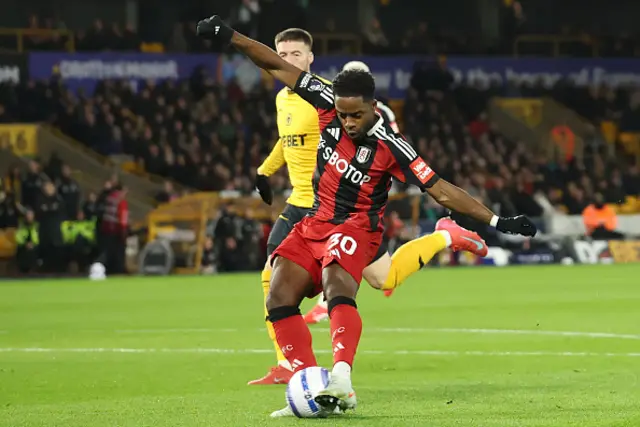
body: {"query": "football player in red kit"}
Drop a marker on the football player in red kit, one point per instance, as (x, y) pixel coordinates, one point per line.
(326, 252)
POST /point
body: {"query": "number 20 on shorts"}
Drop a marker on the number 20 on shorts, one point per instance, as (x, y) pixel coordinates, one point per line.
(346, 244)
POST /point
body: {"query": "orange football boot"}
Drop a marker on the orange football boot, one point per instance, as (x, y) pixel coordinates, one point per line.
(276, 375)
(463, 239)
(317, 314)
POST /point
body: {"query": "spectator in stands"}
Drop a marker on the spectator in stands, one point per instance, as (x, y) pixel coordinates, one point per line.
(97, 38)
(226, 235)
(12, 182)
(69, 191)
(375, 37)
(574, 199)
(418, 39)
(5, 117)
(512, 17)
(251, 233)
(178, 42)
(9, 210)
(50, 212)
(53, 169)
(246, 20)
(32, 185)
(27, 244)
(208, 261)
(90, 206)
(167, 194)
(631, 181)
(124, 40)
(600, 220)
(431, 75)
(82, 241)
(114, 229)
(153, 162)
(523, 200)
(499, 198)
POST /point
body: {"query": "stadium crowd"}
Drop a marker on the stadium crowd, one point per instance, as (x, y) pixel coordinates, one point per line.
(261, 19)
(211, 137)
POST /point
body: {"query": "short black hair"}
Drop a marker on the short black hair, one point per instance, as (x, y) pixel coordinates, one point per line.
(295, 35)
(353, 83)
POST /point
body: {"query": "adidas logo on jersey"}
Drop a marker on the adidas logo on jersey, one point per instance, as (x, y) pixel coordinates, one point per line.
(343, 167)
(335, 133)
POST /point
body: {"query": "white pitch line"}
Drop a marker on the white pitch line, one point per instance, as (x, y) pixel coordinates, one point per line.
(409, 331)
(269, 351)
(173, 330)
(527, 332)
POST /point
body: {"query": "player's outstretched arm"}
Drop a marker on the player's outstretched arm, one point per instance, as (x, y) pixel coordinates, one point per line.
(458, 200)
(214, 28)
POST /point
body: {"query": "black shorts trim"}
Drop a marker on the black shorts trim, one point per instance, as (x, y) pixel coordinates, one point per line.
(382, 250)
(290, 216)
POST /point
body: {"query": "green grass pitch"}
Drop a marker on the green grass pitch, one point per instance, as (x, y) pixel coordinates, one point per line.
(475, 347)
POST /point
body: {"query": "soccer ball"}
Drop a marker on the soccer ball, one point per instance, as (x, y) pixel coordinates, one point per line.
(303, 387)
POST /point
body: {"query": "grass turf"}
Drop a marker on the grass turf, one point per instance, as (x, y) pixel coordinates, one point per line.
(477, 347)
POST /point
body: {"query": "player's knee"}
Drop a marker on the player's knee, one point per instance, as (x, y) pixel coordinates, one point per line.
(375, 279)
(377, 272)
(282, 312)
(277, 298)
(334, 302)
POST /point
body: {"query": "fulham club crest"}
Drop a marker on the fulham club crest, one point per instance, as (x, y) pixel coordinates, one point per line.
(363, 154)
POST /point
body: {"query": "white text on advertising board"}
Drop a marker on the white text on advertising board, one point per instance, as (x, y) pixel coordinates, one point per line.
(97, 69)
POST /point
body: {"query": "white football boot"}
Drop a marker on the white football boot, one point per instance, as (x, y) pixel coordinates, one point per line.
(339, 394)
(287, 412)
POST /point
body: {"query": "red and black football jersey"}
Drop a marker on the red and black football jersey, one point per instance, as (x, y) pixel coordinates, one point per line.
(352, 178)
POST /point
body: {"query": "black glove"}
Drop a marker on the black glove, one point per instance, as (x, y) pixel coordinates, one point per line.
(214, 28)
(513, 225)
(517, 225)
(264, 188)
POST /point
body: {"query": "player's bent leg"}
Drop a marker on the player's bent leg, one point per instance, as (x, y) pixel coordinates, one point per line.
(412, 256)
(340, 288)
(290, 283)
(282, 372)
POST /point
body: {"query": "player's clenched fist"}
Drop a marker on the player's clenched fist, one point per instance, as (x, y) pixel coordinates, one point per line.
(214, 28)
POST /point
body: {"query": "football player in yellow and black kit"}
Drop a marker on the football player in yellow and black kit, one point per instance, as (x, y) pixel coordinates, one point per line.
(297, 146)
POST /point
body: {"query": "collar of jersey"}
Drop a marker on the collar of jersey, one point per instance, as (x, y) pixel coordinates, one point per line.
(375, 127)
